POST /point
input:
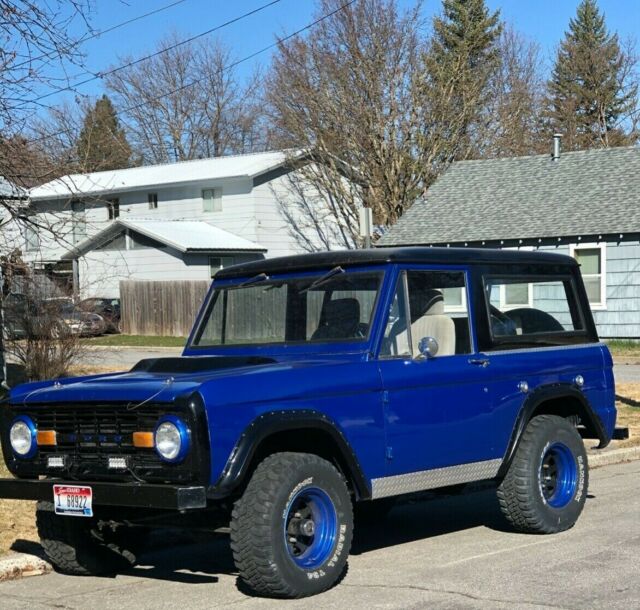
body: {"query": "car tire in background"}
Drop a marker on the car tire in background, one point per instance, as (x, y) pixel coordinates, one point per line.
(292, 528)
(77, 546)
(545, 488)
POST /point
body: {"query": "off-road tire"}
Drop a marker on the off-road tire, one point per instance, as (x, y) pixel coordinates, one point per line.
(74, 545)
(520, 494)
(258, 524)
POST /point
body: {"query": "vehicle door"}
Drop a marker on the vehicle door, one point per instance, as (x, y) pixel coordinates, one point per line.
(534, 335)
(438, 409)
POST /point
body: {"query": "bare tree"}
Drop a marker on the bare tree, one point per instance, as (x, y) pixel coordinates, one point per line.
(185, 103)
(37, 47)
(513, 122)
(345, 94)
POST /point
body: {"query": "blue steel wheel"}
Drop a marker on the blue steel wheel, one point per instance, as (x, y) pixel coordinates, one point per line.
(291, 529)
(545, 487)
(310, 527)
(558, 475)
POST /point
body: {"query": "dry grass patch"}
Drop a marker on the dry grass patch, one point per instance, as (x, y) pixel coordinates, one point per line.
(629, 416)
(17, 519)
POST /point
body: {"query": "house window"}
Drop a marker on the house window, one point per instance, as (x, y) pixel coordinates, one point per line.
(137, 241)
(212, 200)
(515, 295)
(113, 208)
(78, 221)
(31, 238)
(592, 260)
(219, 262)
(153, 201)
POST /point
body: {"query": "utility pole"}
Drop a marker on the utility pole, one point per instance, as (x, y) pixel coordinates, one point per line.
(366, 223)
(3, 362)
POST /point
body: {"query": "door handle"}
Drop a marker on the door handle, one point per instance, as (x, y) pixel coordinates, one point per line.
(483, 362)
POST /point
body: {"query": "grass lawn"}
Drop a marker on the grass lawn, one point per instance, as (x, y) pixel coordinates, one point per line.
(136, 341)
(624, 350)
(629, 416)
(17, 519)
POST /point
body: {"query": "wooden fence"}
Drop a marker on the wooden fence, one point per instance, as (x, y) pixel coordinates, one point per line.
(160, 308)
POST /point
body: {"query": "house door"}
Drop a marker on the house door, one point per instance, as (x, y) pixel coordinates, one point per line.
(438, 410)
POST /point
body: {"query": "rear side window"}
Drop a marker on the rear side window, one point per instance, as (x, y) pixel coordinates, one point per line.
(522, 307)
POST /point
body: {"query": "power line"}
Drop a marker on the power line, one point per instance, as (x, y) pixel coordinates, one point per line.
(101, 75)
(96, 35)
(221, 71)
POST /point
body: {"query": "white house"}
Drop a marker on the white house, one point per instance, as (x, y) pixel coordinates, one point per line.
(174, 221)
(12, 200)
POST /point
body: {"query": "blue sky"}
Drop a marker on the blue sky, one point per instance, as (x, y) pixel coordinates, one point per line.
(541, 20)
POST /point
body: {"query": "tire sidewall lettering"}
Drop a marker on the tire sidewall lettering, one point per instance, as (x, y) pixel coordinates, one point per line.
(327, 569)
(580, 489)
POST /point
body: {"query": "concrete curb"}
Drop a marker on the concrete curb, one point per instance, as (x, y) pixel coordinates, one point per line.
(22, 565)
(615, 456)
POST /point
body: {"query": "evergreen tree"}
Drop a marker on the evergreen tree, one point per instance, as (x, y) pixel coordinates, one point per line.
(591, 95)
(463, 57)
(102, 144)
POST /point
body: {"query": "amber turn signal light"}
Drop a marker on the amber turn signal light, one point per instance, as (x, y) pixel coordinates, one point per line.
(143, 439)
(46, 438)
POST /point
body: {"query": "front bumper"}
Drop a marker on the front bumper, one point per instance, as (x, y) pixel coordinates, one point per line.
(136, 495)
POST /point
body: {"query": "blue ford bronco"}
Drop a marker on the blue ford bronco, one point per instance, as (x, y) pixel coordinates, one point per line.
(314, 384)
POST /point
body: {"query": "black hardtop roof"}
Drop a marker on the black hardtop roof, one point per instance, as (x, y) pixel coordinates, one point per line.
(376, 256)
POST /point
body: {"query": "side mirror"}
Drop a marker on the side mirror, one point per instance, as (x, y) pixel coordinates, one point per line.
(428, 348)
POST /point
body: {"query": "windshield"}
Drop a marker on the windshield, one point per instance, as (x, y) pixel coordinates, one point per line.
(337, 306)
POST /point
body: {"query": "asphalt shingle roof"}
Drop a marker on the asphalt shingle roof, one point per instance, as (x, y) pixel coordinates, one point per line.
(588, 192)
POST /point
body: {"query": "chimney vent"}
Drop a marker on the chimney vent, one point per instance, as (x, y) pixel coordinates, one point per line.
(557, 137)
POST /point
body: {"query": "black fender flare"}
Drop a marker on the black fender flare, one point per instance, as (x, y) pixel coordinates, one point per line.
(272, 422)
(540, 395)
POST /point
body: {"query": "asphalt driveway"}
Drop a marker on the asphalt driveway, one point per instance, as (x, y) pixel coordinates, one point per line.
(445, 553)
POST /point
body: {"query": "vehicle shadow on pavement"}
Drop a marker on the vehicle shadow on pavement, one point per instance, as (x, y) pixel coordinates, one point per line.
(199, 558)
(197, 563)
(413, 518)
(429, 516)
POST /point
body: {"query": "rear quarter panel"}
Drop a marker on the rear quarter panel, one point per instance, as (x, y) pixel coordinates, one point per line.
(547, 367)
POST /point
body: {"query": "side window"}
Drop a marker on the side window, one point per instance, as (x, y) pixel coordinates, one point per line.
(552, 307)
(396, 335)
(428, 304)
(212, 200)
(78, 221)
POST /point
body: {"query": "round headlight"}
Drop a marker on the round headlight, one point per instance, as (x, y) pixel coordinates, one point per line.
(22, 437)
(172, 439)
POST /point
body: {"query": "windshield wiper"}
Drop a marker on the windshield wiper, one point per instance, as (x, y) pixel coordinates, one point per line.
(256, 279)
(321, 280)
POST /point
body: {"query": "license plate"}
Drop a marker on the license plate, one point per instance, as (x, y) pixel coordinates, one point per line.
(73, 500)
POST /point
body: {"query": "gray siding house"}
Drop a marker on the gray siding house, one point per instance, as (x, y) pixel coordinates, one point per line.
(585, 204)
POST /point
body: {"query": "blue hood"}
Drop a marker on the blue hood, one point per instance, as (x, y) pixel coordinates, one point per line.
(224, 379)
